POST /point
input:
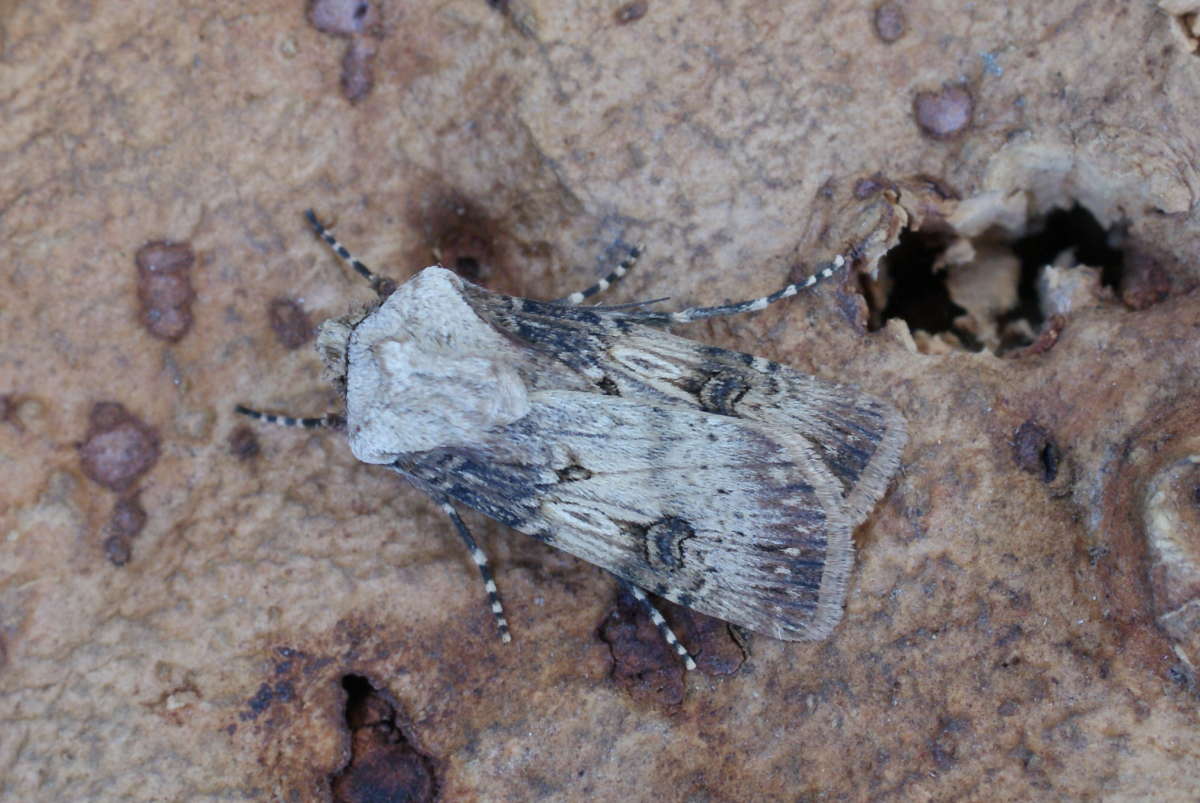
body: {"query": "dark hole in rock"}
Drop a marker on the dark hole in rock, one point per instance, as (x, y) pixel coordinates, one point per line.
(919, 296)
(383, 763)
(1063, 230)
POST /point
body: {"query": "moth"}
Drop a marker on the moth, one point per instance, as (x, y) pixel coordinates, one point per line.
(722, 481)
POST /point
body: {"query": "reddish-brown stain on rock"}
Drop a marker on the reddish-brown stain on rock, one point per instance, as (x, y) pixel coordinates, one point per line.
(944, 114)
(243, 443)
(289, 322)
(890, 23)
(358, 21)
(127, 520)
(383, 763)
(631, 12)
(1035, 451)
(165, 288)
(643, 664)
(118, 448)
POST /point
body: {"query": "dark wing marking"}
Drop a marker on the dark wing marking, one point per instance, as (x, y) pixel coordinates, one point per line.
(730, 517)
(856, 436)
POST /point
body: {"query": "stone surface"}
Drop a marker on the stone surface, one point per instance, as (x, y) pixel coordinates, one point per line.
(1006, 634)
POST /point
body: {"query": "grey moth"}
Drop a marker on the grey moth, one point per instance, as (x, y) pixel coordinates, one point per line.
(722, 481)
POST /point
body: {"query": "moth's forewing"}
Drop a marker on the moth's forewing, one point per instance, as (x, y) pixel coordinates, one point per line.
(726, 516)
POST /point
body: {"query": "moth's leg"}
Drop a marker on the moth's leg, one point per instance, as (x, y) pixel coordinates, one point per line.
(477, 555)
(327, 421)
(625, 265)
(378, 283)
(753, 305)
(665, 629)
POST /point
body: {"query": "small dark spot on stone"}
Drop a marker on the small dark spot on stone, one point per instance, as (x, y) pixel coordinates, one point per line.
(461, 233)
(289, 322)
(1035, 451)
(359, 22)
(283, 692)
(936, 186)
(118, 550)
(383, 763)
(468, 268)
(165, 288)
(866, 187)
(609, 387)
(631, 12)
(890, 23)
(243, 443)
(1196, 496)
(128, 517)
(945, 113)
(358, 75)
(1144, 281)
(8, 408)
(118, 447)
(385, 287)
(943, 746)
(341, 17)
(127, 520)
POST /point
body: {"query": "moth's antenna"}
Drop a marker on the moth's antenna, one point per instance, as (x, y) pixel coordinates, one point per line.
(328, 421)
(753, 305)
(378, 283)
(623, 267)
(664, 629)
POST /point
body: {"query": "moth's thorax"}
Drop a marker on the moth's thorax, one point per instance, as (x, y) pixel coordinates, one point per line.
(423, 371)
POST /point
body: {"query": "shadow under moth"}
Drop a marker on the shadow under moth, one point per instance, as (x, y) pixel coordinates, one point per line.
(721, 481)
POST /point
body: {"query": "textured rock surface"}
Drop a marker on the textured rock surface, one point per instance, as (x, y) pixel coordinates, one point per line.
(1021, 622)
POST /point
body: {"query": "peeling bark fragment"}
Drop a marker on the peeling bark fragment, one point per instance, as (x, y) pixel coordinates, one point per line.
(118, 448)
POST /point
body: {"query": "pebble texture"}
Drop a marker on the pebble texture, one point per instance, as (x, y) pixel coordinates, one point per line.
(291, 625)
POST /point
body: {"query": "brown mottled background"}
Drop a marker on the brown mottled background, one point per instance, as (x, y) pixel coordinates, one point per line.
(194, 607)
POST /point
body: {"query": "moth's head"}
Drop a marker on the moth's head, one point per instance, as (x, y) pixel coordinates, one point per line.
(423, 371)
(333, 341)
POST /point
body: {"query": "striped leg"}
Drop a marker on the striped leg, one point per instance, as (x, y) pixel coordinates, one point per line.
(327, 421)
(620, 270)
(753, 305)
(378, 283)
(665, 629)
(489, 583)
